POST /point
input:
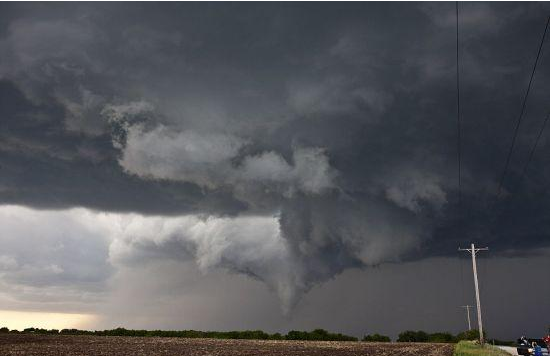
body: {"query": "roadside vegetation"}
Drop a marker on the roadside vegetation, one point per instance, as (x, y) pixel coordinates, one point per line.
(469, 348)
(422, 336)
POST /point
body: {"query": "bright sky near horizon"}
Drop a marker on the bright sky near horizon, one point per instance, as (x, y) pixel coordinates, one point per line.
(24, 319)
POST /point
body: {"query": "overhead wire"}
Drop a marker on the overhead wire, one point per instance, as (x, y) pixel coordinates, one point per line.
(532, 152)
(459, 155)
(458, 123)
(514, 138)
(523, 105)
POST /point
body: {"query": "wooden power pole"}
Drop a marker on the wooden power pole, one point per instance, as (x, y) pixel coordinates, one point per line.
(467, 307)
(473, 250)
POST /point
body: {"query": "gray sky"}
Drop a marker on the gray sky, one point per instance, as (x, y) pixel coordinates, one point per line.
(273, 166)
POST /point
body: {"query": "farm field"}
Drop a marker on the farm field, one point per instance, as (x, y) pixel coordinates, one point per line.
(68, 345)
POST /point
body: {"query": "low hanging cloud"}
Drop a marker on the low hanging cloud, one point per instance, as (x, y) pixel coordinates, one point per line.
(305, 245)
(187, 156)
(265, 248)
(311, 171)
(250, 245)
(88, 247)
(210, 160)
(413, 190)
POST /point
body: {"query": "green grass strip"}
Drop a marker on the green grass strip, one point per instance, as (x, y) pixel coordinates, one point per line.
(469, 348)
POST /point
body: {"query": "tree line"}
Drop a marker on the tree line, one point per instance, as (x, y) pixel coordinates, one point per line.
(422, 336)
(315, 335)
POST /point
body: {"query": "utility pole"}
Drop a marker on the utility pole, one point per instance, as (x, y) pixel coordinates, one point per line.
(473, 250)
(467, 307)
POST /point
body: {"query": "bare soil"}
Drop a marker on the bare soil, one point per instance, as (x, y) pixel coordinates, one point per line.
(68, 345)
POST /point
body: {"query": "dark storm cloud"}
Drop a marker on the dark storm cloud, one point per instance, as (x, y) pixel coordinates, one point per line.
(339, 119)
(46, 166)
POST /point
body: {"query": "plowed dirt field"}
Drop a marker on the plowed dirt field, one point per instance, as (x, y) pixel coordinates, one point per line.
(65, 345)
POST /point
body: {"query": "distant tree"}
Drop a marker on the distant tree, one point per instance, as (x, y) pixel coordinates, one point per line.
(413, 336)
(74, 332)
(422, 336)
(295, 335)
(4, 330)
(469, 335)
(318, 335)
(376, 338)
(34, 331)
(441, 337)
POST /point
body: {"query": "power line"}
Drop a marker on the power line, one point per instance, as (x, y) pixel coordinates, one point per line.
(522, 111)
(532, 152)
(458, 120)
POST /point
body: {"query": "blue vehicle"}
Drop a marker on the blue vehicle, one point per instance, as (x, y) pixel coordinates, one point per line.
(531, 347)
